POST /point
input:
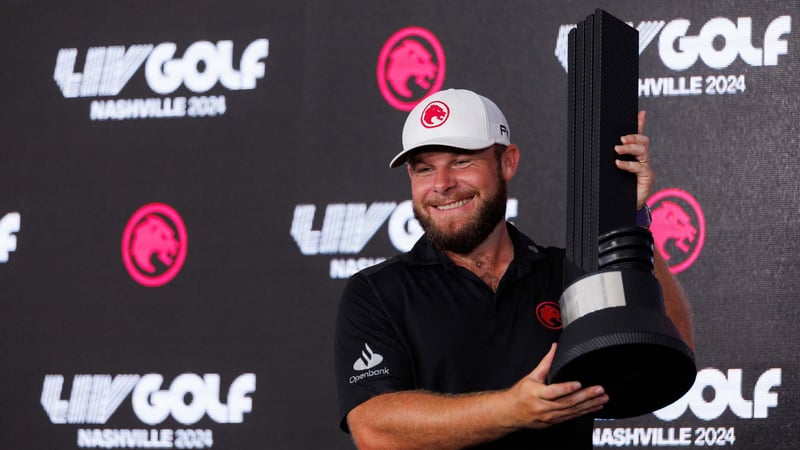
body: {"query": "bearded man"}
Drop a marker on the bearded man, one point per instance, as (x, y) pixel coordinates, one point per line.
(440, 347)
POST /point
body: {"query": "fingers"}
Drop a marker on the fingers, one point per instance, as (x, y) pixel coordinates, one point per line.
(636, 148)
(636, 145)
(542, 405)
(540, 372)
(566, 407)
(582, 402)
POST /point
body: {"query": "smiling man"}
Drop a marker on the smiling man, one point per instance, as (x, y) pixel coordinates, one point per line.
(441, 347)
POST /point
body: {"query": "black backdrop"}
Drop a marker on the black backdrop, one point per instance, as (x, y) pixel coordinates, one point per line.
(284, 190)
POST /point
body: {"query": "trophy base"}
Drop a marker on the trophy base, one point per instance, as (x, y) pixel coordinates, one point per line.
(635, 353)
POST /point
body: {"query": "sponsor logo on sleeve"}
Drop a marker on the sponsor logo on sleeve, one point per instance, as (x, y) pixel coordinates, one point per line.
(366, 364)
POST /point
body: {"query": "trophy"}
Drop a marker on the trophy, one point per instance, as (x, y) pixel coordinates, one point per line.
(616, 332)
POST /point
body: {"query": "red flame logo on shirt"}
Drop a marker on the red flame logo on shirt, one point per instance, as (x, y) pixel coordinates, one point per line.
(154, 244)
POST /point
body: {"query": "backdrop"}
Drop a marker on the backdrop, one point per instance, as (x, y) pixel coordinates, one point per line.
(185, 187)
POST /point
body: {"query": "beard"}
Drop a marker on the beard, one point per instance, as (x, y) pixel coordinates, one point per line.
(466, 239)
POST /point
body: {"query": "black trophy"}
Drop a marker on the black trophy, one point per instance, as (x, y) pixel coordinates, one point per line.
(616, 332)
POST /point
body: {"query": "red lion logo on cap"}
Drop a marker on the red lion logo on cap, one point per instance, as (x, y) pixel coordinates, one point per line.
(410, 60)
(434, 115)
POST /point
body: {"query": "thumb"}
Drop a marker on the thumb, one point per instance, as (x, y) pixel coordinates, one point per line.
(540, 372)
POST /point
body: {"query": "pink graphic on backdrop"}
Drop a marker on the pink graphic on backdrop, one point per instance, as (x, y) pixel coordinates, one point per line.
(154, 244)
(412, 60)
(679, 227)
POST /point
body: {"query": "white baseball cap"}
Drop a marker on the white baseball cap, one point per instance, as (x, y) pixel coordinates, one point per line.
(454, 118)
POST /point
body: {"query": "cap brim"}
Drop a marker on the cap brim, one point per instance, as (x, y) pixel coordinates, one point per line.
(459, 143)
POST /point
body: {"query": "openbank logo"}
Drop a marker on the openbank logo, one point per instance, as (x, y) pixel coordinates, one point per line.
(368, 359)
(346, 229)
(9, 225)
(366, 363)
(202, 65)
(154, 244)
(678, 227)
(718, 43)
(411, 65)
(715, 392)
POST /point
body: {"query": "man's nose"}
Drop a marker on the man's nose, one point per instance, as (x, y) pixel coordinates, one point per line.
(444, 180)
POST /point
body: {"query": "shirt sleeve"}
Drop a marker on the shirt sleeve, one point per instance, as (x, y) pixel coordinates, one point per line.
(370, 355)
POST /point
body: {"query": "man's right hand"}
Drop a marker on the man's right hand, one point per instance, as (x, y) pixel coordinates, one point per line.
(423, 420)
(539, 405)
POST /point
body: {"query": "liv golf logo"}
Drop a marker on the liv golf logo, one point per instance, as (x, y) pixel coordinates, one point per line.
(201, 66)
(189, 399)
(707, 48)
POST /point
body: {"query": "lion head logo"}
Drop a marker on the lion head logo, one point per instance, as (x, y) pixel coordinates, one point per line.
(549, 315)
(678, 227)
(410, 61)
(154, 244)
(153, 237)
(670, 222)
(434, 115)
(410, 66)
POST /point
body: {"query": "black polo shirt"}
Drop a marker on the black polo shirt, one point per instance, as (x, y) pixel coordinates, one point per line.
(418, 321)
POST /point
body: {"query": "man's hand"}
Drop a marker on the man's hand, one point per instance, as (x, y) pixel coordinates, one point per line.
(638, 146)
(540, 405)
(418, 419)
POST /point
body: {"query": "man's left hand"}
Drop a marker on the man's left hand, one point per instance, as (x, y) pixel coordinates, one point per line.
(638, 146)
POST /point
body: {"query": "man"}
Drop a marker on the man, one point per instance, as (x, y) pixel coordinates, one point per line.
(440, 347)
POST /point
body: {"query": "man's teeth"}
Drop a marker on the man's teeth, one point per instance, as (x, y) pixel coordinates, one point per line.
(453, 205)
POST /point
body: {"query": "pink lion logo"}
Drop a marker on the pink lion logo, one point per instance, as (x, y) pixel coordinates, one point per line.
(670, 221)
(677, 217)
(156, 230)
(153, 236)
(410, 60)
(410, 55)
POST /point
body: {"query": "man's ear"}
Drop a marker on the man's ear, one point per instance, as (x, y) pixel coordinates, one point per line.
(509, 161)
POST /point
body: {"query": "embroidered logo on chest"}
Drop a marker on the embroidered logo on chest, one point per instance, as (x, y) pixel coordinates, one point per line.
(549, 315)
